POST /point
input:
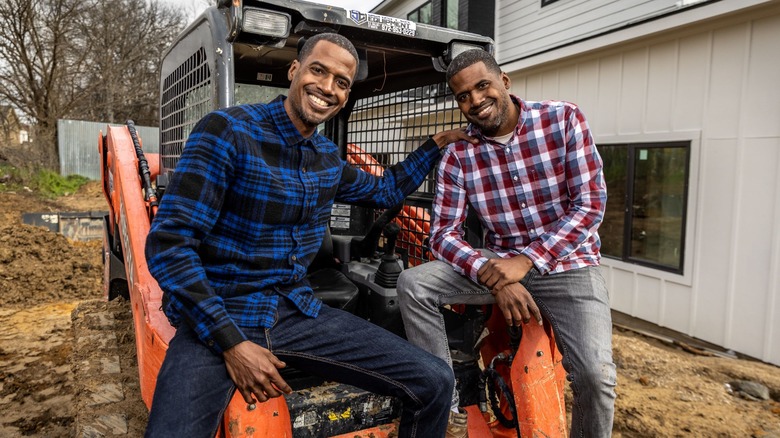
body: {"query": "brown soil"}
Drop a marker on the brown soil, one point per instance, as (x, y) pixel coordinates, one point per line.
(46, 280)
(49, 287)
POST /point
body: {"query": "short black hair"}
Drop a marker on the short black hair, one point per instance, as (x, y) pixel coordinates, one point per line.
(469, 58)
(331, 37)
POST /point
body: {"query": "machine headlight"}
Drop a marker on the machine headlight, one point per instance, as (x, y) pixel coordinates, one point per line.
(456, 48)
(264, 22)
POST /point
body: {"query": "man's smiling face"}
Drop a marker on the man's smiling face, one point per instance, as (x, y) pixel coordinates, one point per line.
(483, 98)
(319, 85)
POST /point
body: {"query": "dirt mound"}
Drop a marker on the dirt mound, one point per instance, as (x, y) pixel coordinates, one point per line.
(39, 266)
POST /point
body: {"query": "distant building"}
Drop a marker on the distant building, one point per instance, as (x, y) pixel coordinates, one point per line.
(12, 131)
(684, 103)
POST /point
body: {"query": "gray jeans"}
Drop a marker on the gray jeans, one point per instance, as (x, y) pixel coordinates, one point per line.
(575, 302)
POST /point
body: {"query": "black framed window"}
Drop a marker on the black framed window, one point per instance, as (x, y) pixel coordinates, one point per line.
(423, 14)
(450, 10)
(647, 186)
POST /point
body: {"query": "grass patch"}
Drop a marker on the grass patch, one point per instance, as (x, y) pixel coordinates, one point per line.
(11, 178)
(52, 184)
(46, 183)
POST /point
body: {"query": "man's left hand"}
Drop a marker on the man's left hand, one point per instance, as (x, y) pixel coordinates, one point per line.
(496, 274)
(517, 305)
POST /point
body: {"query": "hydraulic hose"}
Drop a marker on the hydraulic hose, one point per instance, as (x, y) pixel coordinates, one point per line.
(150, 195)
(492, 379)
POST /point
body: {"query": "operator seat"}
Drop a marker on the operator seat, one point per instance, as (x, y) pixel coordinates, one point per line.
(329, 284)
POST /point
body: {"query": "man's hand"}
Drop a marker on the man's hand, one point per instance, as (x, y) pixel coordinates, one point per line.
(254, 371)
(517, 305)
(496, 274)
(444, 138)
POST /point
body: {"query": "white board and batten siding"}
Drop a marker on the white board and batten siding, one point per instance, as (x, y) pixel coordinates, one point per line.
(711, 78)
(565, 21)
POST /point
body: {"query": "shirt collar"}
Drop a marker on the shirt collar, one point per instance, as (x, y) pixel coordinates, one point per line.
(287, 129)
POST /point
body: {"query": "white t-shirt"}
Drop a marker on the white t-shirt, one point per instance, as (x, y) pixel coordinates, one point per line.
(503, 139)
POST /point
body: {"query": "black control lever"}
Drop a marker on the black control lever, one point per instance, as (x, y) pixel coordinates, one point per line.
(365, 247)
(389, 270)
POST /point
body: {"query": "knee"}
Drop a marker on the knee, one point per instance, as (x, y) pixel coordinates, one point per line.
(405, 281)
(405, 288)
(599, 377)
(440, 382)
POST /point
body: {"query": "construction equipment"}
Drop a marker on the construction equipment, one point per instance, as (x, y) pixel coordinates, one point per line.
(511, 381)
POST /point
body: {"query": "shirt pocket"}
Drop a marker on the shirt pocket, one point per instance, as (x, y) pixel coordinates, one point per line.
(548, 184)
(547, 174)
(328, 183)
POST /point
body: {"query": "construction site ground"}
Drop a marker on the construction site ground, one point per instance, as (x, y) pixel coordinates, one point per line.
(67, 358)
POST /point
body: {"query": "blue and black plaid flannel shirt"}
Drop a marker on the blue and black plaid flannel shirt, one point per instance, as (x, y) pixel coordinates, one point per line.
(245, 214)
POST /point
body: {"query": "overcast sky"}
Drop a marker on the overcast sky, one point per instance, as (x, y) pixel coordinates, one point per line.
(197, 6)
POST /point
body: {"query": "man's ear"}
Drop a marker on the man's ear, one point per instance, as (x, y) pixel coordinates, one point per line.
(507, 81)
(293, 68)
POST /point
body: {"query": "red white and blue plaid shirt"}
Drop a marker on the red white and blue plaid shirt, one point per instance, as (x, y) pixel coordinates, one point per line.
(542, 194)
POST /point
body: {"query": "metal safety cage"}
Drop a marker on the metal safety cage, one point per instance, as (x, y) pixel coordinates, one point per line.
(186, 98)
(390, 126)
(196, 77)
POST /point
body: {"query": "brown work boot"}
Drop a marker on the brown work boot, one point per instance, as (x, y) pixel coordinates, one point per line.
(458, 426)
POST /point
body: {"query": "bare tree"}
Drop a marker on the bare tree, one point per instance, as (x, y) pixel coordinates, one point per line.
(92, 60)
(127, 39)
(39, 62)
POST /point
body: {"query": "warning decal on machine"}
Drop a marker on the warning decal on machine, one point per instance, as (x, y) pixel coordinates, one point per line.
(384, 24)
(340, 215)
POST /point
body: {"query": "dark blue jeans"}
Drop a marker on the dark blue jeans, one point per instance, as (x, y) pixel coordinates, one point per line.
(194, 389)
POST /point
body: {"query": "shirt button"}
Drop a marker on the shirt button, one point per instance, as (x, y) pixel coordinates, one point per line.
(506, 150)
(304, 170)
(294, 258)
(514, 177)
(523, 205)
(210, 343)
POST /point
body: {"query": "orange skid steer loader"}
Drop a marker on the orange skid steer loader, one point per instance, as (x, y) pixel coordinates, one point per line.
(510, 381)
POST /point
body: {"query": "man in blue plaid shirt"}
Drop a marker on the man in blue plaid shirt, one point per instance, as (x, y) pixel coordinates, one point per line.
(242, 219)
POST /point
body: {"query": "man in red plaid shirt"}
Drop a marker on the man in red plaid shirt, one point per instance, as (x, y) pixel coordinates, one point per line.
(535, 181)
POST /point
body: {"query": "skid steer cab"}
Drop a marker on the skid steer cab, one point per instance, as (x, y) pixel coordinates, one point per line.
(510, 381)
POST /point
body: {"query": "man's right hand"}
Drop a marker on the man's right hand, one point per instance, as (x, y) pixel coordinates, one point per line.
(517, 304)
(444, 138)
(254, 370)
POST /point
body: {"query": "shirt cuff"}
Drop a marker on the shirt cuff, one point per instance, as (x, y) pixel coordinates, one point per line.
(224, 339)
(430, 146)
(542, 260)
(474, 269)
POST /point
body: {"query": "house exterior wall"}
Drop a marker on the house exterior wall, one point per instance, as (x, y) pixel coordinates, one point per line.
(476, 16)
(675, 70)
(10, 127)
(398, 9)
(565, 21)
(714, 83)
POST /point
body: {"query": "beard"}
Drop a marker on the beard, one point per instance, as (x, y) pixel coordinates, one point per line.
(308, 117)
(312, 120)
(489, 127)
